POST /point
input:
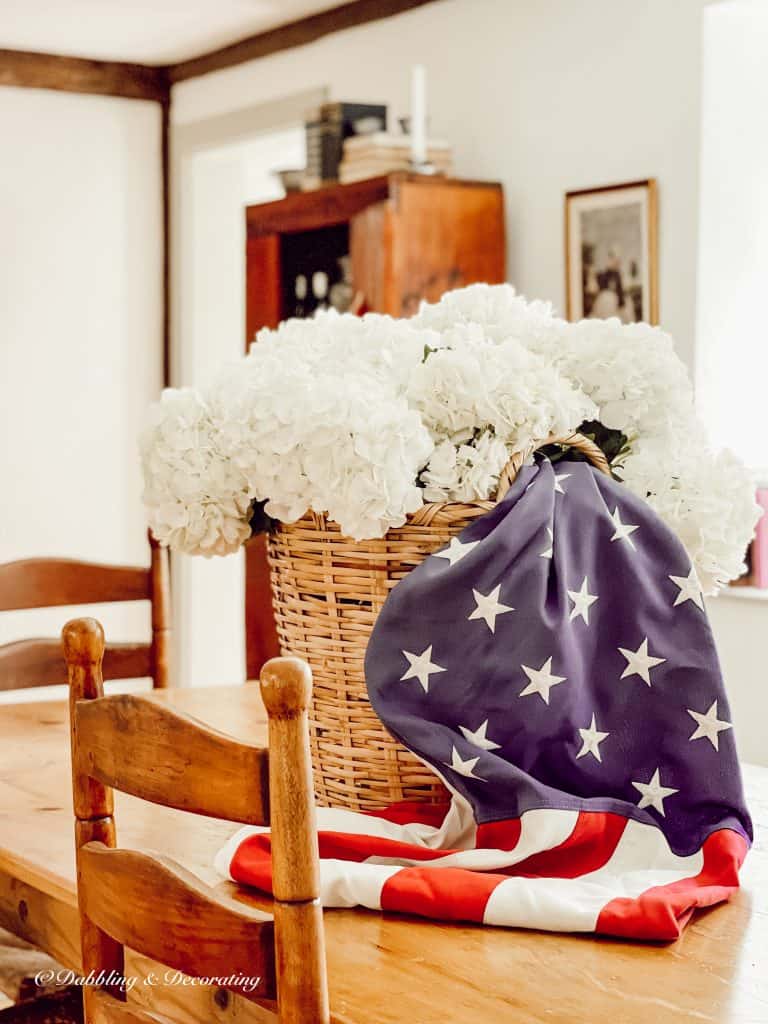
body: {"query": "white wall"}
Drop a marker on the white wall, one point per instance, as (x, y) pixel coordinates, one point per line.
(215, 185)
(740, 626)
(545, 96)
(732, 353)
(80, 332)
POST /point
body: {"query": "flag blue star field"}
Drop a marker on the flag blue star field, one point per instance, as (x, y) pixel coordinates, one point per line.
(554, 665)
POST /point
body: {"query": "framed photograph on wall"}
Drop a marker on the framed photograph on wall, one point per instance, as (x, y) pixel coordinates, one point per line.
(611, 259)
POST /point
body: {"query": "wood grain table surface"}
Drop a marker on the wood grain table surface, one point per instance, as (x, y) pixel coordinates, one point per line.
(383, 968)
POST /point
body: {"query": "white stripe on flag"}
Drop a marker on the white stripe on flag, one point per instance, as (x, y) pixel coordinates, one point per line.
(642, 860)
(457, 831)
(345, 883)
(551, 904)
(540, 829)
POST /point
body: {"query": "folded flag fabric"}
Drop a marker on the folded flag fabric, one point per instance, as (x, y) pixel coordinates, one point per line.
(555, 667)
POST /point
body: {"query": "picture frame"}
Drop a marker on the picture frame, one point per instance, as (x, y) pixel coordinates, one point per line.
(611, 252)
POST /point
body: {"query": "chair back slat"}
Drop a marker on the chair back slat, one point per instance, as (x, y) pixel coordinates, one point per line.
(50, 582)
(140, 747)
(38, 662)
(176, 919)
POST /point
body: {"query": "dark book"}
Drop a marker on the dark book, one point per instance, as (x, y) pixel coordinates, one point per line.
(326, 135)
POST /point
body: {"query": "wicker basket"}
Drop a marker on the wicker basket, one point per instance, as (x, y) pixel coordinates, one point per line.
(327, 592)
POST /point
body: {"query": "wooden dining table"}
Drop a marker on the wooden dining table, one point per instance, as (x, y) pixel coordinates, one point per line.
(383, 967)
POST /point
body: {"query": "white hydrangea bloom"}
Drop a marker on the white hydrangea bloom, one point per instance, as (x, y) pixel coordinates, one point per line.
(465, 472)
(367, 418)
(448, 388)
(472, 383)
(527, 400)
(497, 309)
(707, 498)
(631, 371)
(197, 499)
(319, 421)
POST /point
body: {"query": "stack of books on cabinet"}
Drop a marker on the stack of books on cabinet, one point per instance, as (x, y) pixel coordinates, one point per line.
(369, 156)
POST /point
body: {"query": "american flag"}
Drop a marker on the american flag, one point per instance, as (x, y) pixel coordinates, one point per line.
(555, 667)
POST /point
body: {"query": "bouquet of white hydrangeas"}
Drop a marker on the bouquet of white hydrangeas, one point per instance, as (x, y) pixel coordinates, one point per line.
(366, 418)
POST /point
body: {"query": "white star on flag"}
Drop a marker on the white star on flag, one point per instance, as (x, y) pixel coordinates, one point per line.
(591, 739)
(466, 767)
(488, 607)
(690, 589)
(653, 793)
(421, 667)
(479, 738)
(541, 680)
(708, 726)
(640, 662)
(622, 530)
(582, 600)
(558, 478)
(548, 552)
(456, 550)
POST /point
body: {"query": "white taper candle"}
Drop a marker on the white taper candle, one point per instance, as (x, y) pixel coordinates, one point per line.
(418, 115)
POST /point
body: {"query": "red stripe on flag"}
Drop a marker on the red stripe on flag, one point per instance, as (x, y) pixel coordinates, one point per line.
(410, 812)
(251, 863)
(499, 835)
(663, 911)
(451, 894)
(588, 848)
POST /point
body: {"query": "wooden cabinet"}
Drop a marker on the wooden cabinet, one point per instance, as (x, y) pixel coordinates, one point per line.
(408, 237)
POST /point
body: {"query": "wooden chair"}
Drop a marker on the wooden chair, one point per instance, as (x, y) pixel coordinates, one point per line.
(49, 582)
(131, 898)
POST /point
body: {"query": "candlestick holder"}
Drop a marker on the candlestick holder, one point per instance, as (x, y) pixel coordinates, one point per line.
(422, 167)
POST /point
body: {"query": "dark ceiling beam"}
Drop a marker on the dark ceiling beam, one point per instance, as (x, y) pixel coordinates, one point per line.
(78, 74)
(295, 33)
(148, 82)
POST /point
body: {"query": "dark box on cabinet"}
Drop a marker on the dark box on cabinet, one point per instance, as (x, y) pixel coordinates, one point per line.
(326, 134)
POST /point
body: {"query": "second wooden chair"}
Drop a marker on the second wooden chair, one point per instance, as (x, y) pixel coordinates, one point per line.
(51, 582)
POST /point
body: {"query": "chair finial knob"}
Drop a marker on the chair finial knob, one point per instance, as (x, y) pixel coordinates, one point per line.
(286, 686)
(83, 641)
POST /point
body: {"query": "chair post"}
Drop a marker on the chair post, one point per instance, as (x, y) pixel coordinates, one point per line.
(302, 983)
(161, 614)
(83, 642)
